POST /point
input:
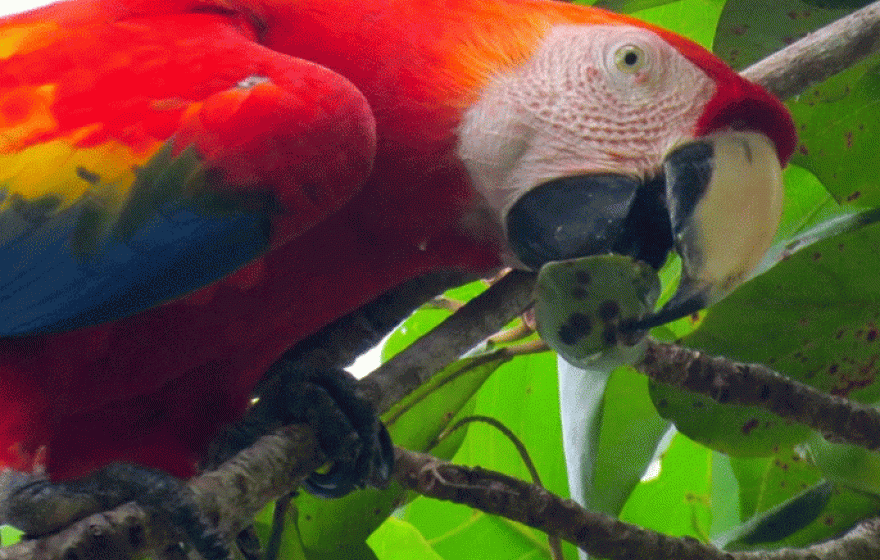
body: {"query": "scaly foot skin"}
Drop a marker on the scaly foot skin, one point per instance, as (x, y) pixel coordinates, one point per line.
(346, 426)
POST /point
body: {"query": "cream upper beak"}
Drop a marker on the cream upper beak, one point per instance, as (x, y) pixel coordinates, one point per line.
(724, 195)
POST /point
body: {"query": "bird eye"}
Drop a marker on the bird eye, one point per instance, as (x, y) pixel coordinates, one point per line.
(630, 59)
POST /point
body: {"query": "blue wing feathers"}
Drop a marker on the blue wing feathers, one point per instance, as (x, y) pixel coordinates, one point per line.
(67, 269)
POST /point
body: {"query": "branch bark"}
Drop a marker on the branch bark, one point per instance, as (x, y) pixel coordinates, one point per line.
(838, 419)
(819, 55)
(277, 463)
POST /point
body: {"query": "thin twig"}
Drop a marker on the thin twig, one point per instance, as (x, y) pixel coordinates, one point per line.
(513, 334)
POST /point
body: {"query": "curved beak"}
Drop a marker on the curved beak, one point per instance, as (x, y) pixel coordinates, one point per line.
(717, 203)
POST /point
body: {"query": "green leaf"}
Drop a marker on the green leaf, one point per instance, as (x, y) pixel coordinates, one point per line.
(9, 535)
(458, 532)
(399, 540)
(807, 204)
(838, 124)
(326, 526)
(844, 509)
(813, 317)
(523, 395)
(765, 482)
(781, 521)
(725, 509)
(421, 416)
(847, 465)
(630, 6)
(691, 495)
(734, 430)
(353, 551)
(839, 119)
(695, 19)
(629, 434)
(801, 521)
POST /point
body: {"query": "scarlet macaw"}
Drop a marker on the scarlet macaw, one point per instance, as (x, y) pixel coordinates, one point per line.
(190, 187)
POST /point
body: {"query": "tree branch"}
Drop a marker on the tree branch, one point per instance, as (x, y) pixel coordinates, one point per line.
(836, 418)
(476, 321)
(819, 55)
(597, 534)
(229, 497)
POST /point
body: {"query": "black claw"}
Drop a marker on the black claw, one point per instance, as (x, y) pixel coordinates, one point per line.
(372, 466)
(248, 543)
(364, 460)
(383, 463)
(335, 483)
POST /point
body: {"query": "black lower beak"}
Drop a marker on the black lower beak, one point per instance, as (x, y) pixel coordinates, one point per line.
(586, 215)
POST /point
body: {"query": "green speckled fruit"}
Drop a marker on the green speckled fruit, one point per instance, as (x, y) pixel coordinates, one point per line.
(581, 303)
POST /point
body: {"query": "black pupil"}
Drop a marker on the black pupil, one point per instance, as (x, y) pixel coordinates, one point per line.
(630, 58)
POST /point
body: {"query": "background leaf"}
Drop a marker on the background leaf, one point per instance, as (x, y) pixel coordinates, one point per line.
(838, 119)
(630, 6)
(843, 509)
(783, 520)
(745, 34)
(838, 124)
(767, 481)
(523, 395)
(399, 540)
(630, 431)
(689, 496)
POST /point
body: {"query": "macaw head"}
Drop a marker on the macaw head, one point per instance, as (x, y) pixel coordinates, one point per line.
(620, 137)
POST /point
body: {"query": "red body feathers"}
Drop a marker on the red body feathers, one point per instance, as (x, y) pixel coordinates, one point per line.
(331, 125)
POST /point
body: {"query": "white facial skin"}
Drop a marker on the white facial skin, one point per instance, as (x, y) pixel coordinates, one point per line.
(592, 99)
